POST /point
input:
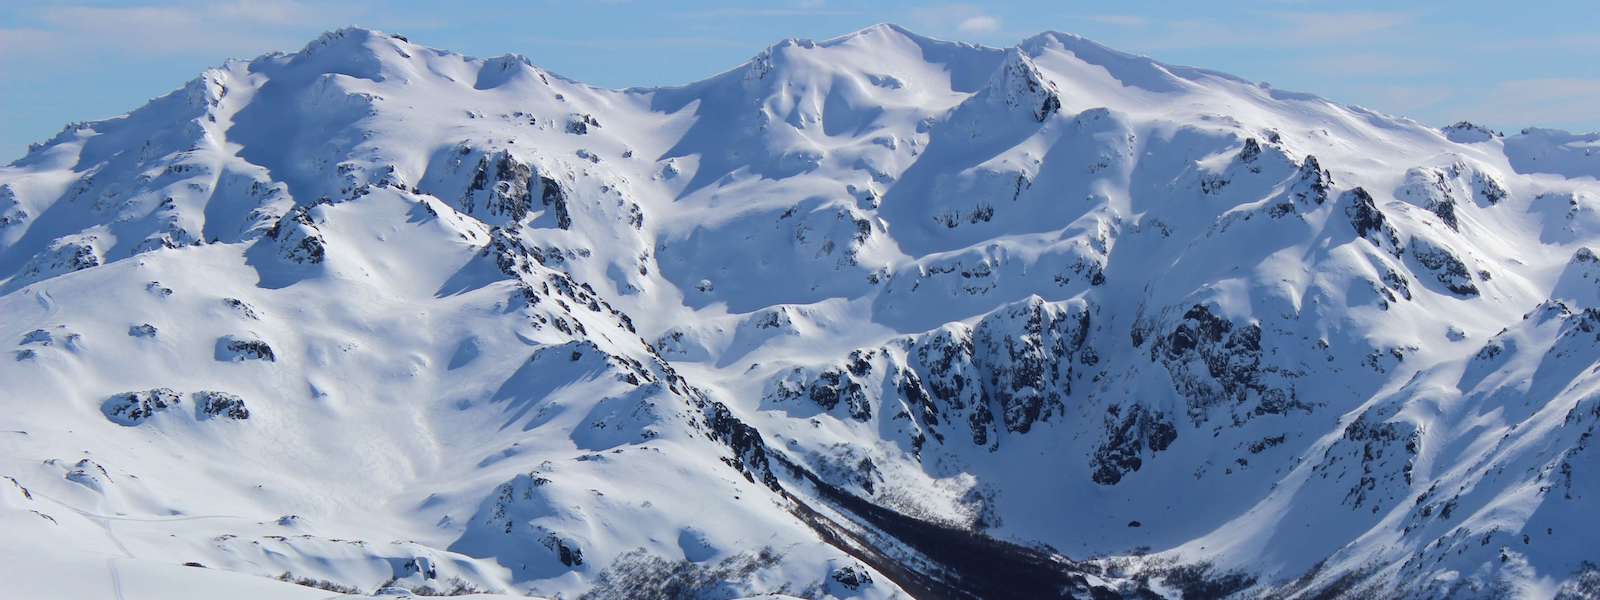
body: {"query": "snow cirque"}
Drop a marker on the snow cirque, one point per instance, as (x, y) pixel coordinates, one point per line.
(877, 316)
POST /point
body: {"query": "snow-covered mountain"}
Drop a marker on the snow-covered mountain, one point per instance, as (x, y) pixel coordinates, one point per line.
(870, 317)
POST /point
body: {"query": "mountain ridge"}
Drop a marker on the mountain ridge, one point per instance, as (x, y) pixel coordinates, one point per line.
(801, 327)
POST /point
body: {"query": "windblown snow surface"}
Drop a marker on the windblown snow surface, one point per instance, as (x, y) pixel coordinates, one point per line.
(878, 316)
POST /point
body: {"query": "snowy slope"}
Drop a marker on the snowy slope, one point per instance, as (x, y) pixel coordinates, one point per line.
(875, 316)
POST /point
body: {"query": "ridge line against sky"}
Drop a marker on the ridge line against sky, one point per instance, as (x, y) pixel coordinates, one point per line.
(1506, 66)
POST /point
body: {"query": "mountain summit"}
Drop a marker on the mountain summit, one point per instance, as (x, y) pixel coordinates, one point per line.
(877, 316)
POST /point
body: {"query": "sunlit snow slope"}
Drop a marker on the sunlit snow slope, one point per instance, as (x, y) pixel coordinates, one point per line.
(870, 317)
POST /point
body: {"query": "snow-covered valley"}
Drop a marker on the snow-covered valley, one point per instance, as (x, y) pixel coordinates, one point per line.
(872, 317)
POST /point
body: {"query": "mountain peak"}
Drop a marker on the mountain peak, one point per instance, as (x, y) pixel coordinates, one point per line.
(350, 35)
(889, 32)
(1057, 38)
(355, 51)
(982, 303)
(1019, 84)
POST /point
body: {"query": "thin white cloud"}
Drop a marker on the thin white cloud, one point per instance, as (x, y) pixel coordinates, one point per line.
(1375, 64)
(1309, 28)
(17, 42)
(1581, 43)
(1282, 30)
(979, 25)
(157, 30)
(1408, 99)
(639, 42)
(1533, 102)
(236, 28)
(962, 19)
(1117, 20)
(275, 12)
(797, 9)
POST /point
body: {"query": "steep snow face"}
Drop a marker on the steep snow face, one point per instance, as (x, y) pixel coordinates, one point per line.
(872, 316)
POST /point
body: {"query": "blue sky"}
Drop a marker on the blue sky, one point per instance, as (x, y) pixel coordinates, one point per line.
(1505, 64)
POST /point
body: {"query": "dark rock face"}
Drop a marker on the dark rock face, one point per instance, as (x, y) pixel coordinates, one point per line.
(1018, 361)
(83, 256)
(831, 386)
(231, 349)
(501, 186)
(519, 260)
(1313, 182)
(10, 212)
(851, 577)
(1128, 435)
(132, 408)
(299, 240)
(944, 363)
(38, 336)
(749, 450)
(220, 404)
(846, 383)
(556, 199)
(64, 255)
(1398, 283)
(1482, 186)
(1025, 87)
(1051, 105)
(918, 407)
(1250, 152)
(1370, 223)
(1213, 361)
(579, 124)
(1446, 267)
(1488, 187)
(1466, 132)
(504, 189)
(1443, 191)
(242, 308)
(1431, 189)
(641, 575)
(1026, 352)
(143, 330)
(1383, 449)
(72, 342)
(1446, 211)
(1014, 369)
(565, 550)
(172, 236)
(511, 255)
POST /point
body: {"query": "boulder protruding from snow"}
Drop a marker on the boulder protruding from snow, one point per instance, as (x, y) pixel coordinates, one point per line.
(234, 349)
(220, 404)
(1467, 132)
(133, 408)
